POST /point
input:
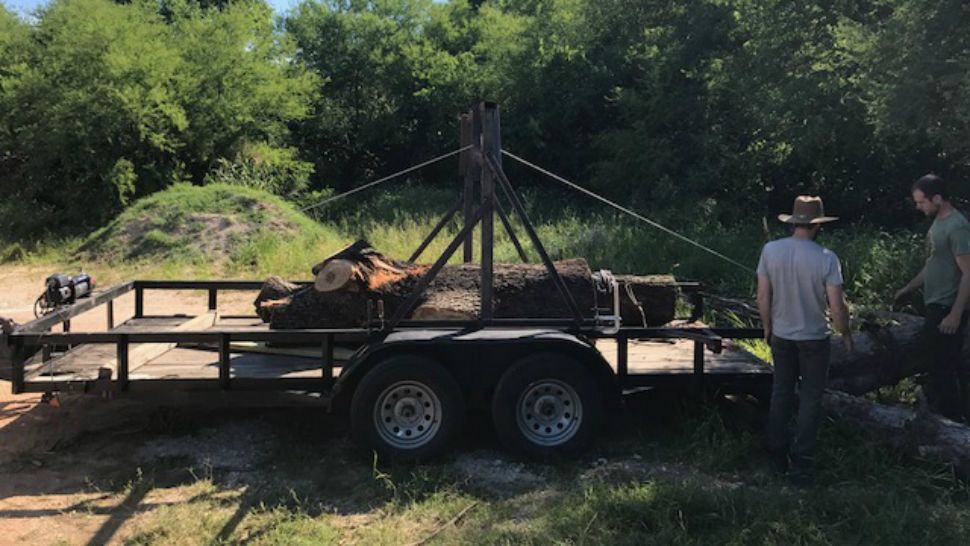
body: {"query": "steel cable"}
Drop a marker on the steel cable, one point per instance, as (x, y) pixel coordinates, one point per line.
(625, 210)
(386, 178)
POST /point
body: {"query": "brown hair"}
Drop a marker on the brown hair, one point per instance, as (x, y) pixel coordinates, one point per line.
(931, 185)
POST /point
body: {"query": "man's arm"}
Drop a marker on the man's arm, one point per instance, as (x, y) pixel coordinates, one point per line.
(840, 313)
(912, 285)
(951, 322)
(764, 304)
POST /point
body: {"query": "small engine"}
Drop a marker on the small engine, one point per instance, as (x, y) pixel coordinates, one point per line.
(61, 289)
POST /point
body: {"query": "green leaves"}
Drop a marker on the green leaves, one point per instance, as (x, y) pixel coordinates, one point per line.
(117, 101)
(735, 103)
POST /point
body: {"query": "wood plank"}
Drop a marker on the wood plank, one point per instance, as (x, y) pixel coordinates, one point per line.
(84, 362)
(184, 363)
(677, 357)
(144, 352)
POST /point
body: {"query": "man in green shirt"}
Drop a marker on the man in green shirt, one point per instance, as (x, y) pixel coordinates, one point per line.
(946, 291)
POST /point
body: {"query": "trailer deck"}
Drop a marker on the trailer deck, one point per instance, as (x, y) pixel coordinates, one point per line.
(209, 351)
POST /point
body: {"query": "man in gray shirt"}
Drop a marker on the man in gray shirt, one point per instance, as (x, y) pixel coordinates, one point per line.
(796, 278)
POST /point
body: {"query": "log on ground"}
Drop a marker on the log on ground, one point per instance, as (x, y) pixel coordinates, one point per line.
(919, 432)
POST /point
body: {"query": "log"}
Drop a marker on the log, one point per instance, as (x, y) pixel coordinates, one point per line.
(275, 293)
(918, 432)
(521, 291)
(647, 301)
(357, 277)
(887, 349)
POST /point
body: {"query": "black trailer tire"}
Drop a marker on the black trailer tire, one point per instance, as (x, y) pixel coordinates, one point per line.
(547, 406)
(407, 408)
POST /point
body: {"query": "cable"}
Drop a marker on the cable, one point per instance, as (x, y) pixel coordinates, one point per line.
(628, 211)
(386, 178)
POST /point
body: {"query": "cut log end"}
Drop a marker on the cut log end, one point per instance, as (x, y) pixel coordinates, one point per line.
(334, 275)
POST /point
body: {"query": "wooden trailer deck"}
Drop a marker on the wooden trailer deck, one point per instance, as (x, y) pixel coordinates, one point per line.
(649, 360)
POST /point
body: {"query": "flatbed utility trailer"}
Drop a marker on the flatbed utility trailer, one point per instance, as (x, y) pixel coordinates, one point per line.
(548, 383)
(582, 367)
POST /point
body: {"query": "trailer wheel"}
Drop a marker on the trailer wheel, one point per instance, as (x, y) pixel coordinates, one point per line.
(547, 406)
(407, 408)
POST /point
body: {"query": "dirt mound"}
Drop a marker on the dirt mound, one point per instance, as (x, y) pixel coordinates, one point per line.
(210, 223)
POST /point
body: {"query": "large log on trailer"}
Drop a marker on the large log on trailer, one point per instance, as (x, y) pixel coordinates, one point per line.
(647, 300)
(521, 290)
(358, 282)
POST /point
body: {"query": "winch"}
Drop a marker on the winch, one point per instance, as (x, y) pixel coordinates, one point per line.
(61, 289)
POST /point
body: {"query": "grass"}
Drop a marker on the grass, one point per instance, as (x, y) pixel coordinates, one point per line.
(694, 476)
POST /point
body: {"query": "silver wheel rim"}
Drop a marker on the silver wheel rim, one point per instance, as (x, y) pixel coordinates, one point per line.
(549, 412)
(407, 415)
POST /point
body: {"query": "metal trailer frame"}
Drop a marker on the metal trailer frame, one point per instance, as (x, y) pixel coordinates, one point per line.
(36, 336)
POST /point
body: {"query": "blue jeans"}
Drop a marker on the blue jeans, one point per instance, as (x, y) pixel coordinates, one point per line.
(808, 360)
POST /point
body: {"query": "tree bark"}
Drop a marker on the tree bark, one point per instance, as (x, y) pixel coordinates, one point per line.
(883, 355)
(358, 276)
(647, 301)
(919, 432)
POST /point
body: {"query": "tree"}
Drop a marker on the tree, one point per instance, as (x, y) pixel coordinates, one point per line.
(114, 102)
(915, 81)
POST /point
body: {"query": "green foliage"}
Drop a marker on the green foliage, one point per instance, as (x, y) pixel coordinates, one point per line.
(115, 101)
(232, 227)
(276, 170)
(914, 78)
(392, 93)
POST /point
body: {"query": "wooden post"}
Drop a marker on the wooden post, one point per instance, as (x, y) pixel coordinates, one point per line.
(491, 148)
(213, 299)
(111, 314)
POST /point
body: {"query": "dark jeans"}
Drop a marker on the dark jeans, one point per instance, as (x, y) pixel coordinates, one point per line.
(948, 375)
(810, 360)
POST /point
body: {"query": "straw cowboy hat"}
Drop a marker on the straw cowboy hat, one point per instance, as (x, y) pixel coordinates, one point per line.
(807, 209)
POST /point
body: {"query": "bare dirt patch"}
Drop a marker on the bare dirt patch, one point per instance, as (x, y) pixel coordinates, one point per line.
(64, 470)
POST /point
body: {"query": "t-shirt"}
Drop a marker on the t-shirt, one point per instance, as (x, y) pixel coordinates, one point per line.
(799, 270)
(947, 238)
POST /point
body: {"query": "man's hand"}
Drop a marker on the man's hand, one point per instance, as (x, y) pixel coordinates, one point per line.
(848, 342)
(768, 336)
(901, 293)
(950, 323)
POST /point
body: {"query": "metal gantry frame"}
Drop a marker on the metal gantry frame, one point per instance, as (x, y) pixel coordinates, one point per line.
(481, 170)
